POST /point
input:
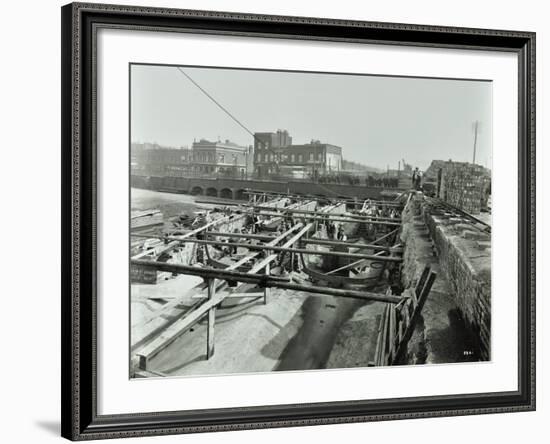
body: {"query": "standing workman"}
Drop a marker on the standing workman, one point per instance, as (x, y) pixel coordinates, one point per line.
(232, 240)
(418, 183)
(414, 176)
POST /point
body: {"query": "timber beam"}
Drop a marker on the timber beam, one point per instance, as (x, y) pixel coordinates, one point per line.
(286, 212)
(389, 203)
(317, 241)
(331, 217)
(262, 237)
(296, 250)
(263, 281)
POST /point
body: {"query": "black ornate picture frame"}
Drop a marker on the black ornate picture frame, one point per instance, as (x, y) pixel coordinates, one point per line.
(80, 22)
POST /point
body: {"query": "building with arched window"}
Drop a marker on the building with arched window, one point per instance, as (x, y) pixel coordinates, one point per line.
(220, 158)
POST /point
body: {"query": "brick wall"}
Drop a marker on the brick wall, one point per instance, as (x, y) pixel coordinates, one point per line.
(465, 258)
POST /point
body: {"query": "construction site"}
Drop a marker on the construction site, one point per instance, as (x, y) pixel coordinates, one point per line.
(278, 281)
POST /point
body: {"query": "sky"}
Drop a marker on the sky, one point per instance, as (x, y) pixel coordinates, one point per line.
(377, 121)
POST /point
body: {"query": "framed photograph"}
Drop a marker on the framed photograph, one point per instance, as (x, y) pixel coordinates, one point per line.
(275, 221)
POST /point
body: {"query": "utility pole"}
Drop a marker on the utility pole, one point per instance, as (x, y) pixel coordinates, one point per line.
(476, 127)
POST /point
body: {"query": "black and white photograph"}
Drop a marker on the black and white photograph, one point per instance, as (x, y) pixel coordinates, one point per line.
(275, 222)
(293, 220)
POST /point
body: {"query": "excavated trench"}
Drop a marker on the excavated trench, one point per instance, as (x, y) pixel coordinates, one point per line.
(442, 334)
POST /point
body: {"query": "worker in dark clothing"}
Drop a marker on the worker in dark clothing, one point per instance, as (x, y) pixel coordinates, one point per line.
(332, 232)
(414, 177)
(233, 248)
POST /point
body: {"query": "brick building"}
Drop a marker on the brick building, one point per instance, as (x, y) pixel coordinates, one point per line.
(225, 158)
(205, 158)
(274, 154)
(316, 158)
(268, 151)
(280, 139)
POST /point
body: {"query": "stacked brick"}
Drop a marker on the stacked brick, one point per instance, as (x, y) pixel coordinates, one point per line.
(465, 185)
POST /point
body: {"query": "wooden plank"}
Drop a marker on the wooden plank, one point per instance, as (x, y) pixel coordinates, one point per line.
(183, 324)
(231, 296)
(240, 235)
(425, 291)
(406, 315)
(257, 267)
(386, 236)
(380, 345)
(151, 235)
(422, 280)
(338, 219)
(172, 304)
(187, 235)
(353, 264)
(414, 317)
(317, 241)
(171, 333)
(267, 290)
(408, 199)
(392, 327)
(148, 374)
(177, 240)
(410, 307)
(276, 216)
(211, 321)
(158, 320)
(299, 250)
(328, 199)
(360, 218)
(384, 347)
(253, 277)
(414, 299)
(376, 358)
(400, 331)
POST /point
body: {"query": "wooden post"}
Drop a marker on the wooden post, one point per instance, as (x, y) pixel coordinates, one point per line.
(410, 319)
(376, 358)
(384, 343)
(267, 290)
(211, 320)
(420, 284)
(393, 328)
